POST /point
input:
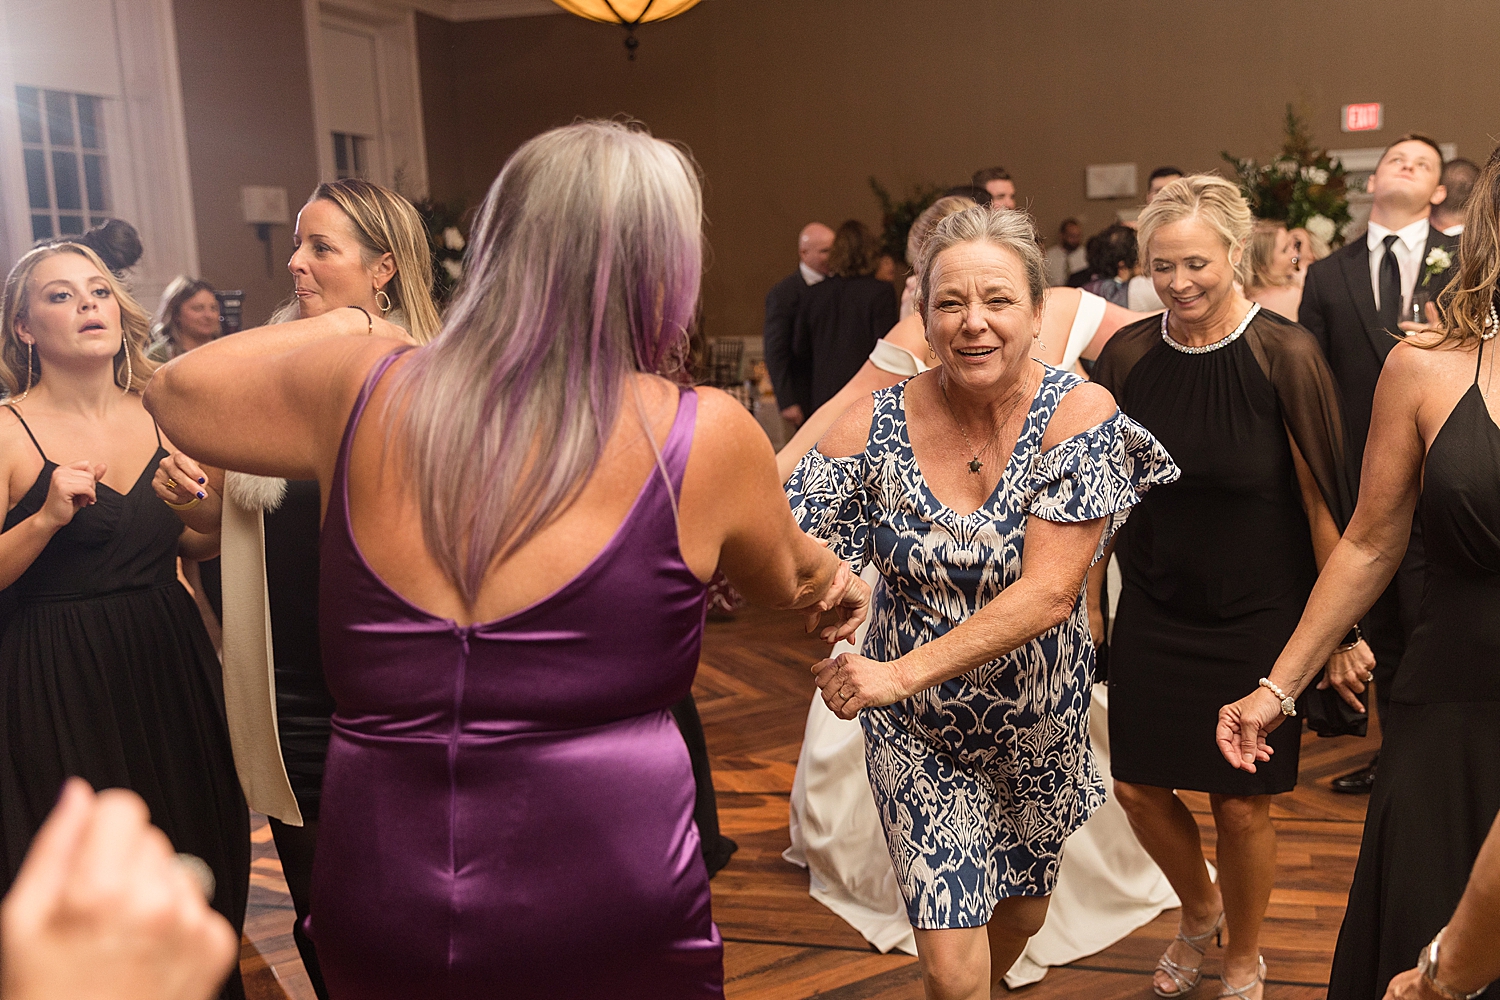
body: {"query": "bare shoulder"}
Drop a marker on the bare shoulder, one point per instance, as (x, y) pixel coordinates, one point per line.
(1421, 358)
(1086, 405)
(725, 434)
(908, 335)
(850, 433)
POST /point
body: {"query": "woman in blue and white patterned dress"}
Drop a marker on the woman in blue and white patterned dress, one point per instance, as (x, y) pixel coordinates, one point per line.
(973, 689)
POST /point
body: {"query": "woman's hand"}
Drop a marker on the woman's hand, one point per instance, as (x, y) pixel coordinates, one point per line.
(1244, 726)
(850, 682)
(1349, 672)
(72, 489)
(103, 908)
(179, 480)
(849, 596)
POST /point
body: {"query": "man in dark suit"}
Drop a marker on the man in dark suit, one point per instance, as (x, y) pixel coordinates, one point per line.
(1356, 302)
(791, 377)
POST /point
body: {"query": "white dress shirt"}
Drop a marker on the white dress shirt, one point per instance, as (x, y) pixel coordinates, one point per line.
(812, 277)
(1411, 240)
(1063, 263)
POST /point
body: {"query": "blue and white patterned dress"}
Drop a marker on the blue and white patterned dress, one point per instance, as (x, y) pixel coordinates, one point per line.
(980, 779)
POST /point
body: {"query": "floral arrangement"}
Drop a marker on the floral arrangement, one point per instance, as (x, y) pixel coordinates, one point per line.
(1302, 186)
(896, 216)
(444, 227)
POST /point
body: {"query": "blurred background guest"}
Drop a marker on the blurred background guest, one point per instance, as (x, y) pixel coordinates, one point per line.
(1066, 255)
(1354, 302)
(1216, 566)
(1160, 178)
(997, 183)
(107, 671)
(791, 376)
(1272, 273)
(1113, 258)
(840, 319)
(1457, 181)
(187, 317)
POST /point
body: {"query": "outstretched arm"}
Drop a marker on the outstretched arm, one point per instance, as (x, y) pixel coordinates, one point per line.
(1360, 565)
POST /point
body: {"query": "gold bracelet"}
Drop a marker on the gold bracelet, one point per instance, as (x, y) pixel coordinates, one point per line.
(184, 506)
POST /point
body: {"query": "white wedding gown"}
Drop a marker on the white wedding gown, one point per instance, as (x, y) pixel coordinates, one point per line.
(1107, 885)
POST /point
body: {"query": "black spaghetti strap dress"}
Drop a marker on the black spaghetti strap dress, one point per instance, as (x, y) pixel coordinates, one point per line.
(1437, 789)
(107, 673)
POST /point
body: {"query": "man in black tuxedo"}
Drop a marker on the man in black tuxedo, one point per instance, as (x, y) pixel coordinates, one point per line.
(791, 378)
(1356, 302)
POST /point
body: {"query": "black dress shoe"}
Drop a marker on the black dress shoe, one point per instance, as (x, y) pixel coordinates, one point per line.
(1358, 782)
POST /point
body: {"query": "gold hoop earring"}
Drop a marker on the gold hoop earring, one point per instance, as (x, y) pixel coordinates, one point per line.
(382, 301)
(30, 350)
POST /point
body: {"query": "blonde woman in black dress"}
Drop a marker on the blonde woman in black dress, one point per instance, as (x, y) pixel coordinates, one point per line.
(1434, 438)
(1216, 566)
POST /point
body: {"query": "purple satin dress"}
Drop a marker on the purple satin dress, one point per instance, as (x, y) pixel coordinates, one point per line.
(508, 806)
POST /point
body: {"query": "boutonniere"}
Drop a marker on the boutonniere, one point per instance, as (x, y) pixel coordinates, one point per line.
(1438, 261)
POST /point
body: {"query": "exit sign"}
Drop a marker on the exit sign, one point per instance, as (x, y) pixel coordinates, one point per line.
(1360, 118)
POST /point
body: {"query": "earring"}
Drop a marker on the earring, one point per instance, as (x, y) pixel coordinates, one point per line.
(382, 301)
(129, 372)
(30, 349)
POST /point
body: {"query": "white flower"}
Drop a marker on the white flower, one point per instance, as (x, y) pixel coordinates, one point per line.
(455, 268)
(1322, 227)
(1315, 175)
(1287, 167)
(1438, 259)
(453, 239)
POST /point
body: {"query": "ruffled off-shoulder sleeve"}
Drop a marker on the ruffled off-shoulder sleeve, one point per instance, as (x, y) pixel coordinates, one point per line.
(1102, 472)
(829, 499)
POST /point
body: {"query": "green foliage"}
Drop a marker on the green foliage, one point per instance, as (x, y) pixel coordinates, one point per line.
(444, 222)
(1300, 184)
(896, 217)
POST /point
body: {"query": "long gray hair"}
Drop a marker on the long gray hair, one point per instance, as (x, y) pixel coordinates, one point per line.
(584, 267)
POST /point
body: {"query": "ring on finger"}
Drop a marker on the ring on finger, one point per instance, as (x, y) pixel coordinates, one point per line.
(171, 483)
(1368, 677)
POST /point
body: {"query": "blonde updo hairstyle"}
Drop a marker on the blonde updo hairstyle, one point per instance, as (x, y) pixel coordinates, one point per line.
(132, 370)
(1211, 200)
(1005, 228)
(928, 220)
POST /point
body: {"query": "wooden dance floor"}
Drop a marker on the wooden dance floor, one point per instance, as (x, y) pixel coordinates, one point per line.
(779, 944)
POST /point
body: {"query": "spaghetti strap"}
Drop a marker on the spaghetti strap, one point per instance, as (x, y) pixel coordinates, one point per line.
(39, 451)
(157, 428)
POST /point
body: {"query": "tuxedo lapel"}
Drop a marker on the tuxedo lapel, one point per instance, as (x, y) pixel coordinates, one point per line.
(1439, 280)
(1356, 268)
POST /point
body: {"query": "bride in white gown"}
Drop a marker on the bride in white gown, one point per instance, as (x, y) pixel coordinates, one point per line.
(1107, 885)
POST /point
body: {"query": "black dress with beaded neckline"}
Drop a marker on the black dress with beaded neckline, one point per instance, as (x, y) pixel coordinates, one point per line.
(1437, 790)
(107, 673)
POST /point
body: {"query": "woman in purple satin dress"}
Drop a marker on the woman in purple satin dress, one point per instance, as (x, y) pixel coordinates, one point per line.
(520, 521)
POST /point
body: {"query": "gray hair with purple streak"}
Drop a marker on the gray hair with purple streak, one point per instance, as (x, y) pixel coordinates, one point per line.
(583, 269)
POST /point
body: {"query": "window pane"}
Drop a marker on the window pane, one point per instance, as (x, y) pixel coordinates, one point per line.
(59, 118)
(65, 180)
(88, 122)
(70, 225)
(36, 179)
(341, 154)
(93, 179)
(41, 227)
(31, 114)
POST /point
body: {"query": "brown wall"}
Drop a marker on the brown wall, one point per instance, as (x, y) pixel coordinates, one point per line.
(247, 101)
(790, 105)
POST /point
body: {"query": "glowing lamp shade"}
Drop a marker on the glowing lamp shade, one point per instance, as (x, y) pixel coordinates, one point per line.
(627, 12)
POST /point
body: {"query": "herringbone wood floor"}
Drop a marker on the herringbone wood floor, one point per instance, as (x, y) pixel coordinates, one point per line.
(753, 688)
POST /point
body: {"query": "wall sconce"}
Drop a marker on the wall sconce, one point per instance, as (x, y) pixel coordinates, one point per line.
(630, 14)
(263, 208)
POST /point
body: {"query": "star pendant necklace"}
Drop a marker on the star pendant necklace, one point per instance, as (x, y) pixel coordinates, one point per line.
(975, 463)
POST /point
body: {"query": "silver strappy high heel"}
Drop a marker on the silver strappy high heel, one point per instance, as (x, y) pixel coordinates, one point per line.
(1186, 978)
(1243, 992)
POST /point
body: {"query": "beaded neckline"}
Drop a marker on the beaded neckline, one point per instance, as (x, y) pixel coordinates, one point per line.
(1216, 345)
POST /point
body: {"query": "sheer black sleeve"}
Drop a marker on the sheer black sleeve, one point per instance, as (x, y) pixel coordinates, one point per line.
(1310, 404)
(1123, 350)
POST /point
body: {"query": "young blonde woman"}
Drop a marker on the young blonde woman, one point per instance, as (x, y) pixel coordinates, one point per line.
(357, 246)
(106, 671)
